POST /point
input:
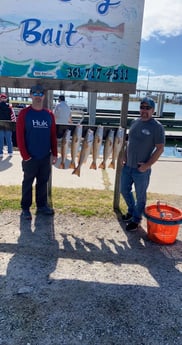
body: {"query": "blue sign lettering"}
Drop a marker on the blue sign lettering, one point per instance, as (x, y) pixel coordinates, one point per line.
(31, 34)
(103, 5)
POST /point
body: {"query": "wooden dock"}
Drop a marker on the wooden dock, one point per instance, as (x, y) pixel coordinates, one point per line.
(172, 126)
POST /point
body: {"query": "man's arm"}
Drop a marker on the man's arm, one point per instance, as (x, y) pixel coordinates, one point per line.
(20, 134)
(159, 148)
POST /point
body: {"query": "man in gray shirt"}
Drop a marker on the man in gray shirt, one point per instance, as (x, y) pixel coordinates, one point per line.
(145, 144)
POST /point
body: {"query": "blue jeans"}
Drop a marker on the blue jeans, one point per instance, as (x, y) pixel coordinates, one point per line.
(140, 180)
(5, 134)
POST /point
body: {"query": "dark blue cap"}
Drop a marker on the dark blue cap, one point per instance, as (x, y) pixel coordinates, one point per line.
(148, 101)
(37, 88)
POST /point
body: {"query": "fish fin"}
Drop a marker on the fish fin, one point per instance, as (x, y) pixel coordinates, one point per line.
(102, 165)
(62, 166)
(93, 166)
(112, 165)
(76, 171)
(72, 165)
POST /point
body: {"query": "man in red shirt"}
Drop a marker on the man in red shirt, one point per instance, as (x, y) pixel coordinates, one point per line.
(37, 141)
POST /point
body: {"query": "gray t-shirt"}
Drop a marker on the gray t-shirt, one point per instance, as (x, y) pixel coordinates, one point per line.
(142, 139)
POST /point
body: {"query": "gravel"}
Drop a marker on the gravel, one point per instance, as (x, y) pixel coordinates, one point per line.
(68, 280)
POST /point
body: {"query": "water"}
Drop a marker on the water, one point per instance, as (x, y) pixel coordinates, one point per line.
(116, 105)
(169, 151)
(172, 152)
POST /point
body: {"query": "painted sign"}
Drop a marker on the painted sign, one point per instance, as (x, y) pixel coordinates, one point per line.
(90, 40)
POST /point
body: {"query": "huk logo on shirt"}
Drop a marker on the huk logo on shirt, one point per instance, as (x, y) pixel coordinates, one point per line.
(39, 124)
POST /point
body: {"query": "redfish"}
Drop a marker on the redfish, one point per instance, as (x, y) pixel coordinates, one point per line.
(118, 141)
(75, 145)
(85, 151)
(108, 147)
(99, 27)
(64, 148)
(96, 146)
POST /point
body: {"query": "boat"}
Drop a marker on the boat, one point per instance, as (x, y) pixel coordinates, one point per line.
(178, 148)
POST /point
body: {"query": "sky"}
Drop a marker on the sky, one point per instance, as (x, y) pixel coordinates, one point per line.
(160, 62)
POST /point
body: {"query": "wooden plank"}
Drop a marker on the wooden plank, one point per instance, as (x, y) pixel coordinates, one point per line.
(70, 85)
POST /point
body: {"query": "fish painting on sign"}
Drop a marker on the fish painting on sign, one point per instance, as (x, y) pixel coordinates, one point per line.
(7, 26)
(100, 28)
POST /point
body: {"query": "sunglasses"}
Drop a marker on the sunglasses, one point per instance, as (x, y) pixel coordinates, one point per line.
(145, 107)
(39, 94)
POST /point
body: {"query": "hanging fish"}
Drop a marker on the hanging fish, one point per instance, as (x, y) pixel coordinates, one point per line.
(118, 141)
(64, 147)
(85, 151)
(75, 145)
(108, 147)
(96, 146)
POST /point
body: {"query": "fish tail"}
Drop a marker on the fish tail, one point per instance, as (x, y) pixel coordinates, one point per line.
(93, 166)
(76, 171)
(120, 30)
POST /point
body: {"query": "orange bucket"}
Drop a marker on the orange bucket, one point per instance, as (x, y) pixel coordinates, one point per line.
(163, 223)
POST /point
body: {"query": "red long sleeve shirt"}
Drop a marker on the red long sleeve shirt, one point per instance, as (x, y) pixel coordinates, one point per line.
(36, 133)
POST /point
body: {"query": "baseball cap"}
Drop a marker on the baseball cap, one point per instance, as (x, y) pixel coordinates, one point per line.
(62, 98)
(37, 88)
(148, 101)
(3, 95)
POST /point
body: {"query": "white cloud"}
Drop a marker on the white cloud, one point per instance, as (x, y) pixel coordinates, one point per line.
(159, 82)
(162, 17)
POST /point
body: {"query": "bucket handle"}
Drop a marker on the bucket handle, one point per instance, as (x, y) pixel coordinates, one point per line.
(162, 214)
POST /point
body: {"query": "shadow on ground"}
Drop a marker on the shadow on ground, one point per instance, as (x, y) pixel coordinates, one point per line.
(67, 280)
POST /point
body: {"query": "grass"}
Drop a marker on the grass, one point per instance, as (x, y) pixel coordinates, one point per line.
(84, 202)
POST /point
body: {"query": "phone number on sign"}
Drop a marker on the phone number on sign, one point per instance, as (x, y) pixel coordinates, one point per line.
(99, 73)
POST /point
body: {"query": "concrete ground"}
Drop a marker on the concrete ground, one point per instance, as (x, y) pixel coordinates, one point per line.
(165, 179)
(69, 280)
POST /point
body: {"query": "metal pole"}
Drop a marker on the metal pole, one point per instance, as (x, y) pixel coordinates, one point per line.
(92, 101)
(160, 106)
(48, 103)
(123, 123)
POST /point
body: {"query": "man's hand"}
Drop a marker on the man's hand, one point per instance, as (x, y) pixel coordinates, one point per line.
(142, 167)
(54, 160)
